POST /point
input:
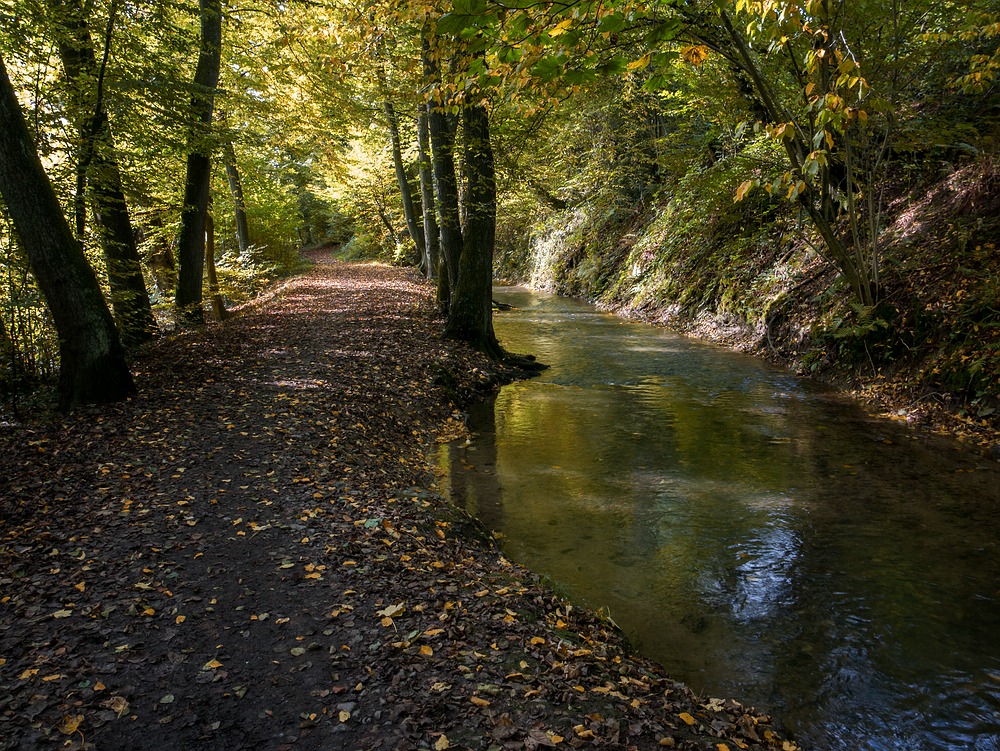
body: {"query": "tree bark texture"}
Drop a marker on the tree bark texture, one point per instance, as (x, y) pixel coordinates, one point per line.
(218, 305)
(414, 227)
(470, 317)
(99, 167)
(236, 191)
(92, 360)
(431, 238)
(442, 136)
(191, 241)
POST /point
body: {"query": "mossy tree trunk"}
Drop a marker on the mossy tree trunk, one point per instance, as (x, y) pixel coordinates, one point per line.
(92, 360)
(470, 317)
(99, 168)
(191, 241)
(431, 240)
(413, 227)
(442, 136)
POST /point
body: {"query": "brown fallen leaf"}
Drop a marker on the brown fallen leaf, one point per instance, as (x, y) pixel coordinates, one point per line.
(70, 724)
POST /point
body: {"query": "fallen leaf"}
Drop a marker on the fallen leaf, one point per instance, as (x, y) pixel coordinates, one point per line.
(442, 743)
(212, 665)
(344, 715)
(425, 650)
(479, 702)
(62, 614)
(70, 724)
(117, 704)
(687, 718)
(392, 611)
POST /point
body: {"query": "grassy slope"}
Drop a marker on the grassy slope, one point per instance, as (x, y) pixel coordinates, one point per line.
(745, 275)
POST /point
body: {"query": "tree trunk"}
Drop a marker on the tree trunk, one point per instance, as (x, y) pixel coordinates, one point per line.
(191, 242)
(470, 317)
(161, 258)
(92, 360)
(405, 192)
(442, 136)
(236, 190)
(99, 166)
(218, 305)
(431, 238)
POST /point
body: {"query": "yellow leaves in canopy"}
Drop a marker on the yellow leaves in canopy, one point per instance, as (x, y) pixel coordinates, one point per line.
(695, 54)
(642, 62)
(745, 187)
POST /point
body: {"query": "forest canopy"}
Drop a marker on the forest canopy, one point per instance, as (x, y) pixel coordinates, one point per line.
(192, 148)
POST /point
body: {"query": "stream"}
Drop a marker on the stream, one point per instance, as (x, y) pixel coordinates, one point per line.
(755, 533)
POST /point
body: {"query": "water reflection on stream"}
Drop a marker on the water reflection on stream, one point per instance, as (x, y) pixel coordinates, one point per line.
(756, 534)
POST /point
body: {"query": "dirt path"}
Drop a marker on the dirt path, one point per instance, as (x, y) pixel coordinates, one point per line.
(244, 558)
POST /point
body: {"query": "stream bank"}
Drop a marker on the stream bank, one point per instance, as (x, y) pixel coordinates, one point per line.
(251, 555)
(747, 275)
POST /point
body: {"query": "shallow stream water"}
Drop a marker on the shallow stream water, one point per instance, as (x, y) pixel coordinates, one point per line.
(758, 535)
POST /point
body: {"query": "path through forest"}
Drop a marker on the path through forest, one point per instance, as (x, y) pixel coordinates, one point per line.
(247, 556)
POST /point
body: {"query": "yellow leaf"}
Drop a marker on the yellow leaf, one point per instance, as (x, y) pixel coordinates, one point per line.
(479, 702)
(79, 587)
(433, 631)
(53, 677)
(70, 723)
(557, 739)
(687, 718)
(149, 611)
(441, 744)
(668, 742)
(721, 747)
(744, 188)
(642, 62)
(99, 686)
(537, 640)
(30, 672)
(386, 622)
(62, 614)
(583, 732)
(180, 619)
(212, 665)
(344, 716)
(425, 650)
(695, 54)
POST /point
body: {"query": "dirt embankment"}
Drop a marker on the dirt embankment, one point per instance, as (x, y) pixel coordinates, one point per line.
(247, 556)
